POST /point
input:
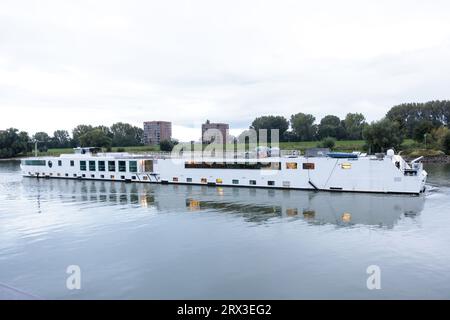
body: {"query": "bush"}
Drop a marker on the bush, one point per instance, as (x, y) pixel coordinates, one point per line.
(446, 143)
(120, 149)
(328, 142)
(166, 145)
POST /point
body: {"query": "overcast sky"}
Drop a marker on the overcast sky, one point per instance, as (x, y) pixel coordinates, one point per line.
(63, 63)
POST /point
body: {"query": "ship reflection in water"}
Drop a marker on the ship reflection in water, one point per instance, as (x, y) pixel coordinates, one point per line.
(253, 205)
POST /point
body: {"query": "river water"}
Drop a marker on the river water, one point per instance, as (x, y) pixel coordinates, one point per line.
(142, 241)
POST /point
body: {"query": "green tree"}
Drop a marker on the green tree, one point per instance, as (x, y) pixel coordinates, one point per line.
(124, 134)
(383, 135)
(271, 122)
(13, 143)
(303, 126)
(331, 126)
(422, 128)
(328, 142)
(95, 138)
(409, 115)
(60, 139)
(78, 131)
(354, 124)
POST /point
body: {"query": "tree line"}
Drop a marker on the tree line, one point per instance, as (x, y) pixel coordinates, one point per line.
(303, 127)
(14, 142)
(423, 122)
(427, 123)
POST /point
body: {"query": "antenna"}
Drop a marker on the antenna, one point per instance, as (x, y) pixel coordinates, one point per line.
(35, 147)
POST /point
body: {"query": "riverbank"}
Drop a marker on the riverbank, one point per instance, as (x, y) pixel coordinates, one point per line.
(409, 150)
(432, 159)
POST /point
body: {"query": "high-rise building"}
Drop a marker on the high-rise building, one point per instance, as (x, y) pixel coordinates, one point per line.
(157, 131)
(215, 132)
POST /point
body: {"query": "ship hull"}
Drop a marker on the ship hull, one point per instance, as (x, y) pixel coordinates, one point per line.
(366, 175)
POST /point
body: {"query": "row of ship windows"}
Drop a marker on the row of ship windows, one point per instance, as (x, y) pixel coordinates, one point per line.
(122, 165)
(102, 176)
(234, 181)
(247, 165)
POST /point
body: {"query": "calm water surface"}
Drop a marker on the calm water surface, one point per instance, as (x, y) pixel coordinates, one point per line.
(187, 242)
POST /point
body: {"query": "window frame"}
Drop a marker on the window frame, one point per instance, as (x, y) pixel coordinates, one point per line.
(291, 165)
(111, 164)
(122, 165)
(133, 168)
(309, 166)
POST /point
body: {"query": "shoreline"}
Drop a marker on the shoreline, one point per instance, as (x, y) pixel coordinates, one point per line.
(442, 159)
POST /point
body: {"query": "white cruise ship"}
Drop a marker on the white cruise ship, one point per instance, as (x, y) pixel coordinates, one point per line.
(319, 170)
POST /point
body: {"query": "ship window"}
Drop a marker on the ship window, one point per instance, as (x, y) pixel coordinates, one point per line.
(235, 181)
(91, 165)
(58, 174)
(67, 174)
(112, 177)
(148, 165)
(92, 175)
(204, 180)
(270, 165)
(133, 177)
(72, 163)
(346, 165)
(144, 178)
(252, 182)
(219, 180)
(83, 175)
(291, 165)
(122, 177)
(111, 166)
(270, 183)
(35, 162)
(51, 173)
(101, 166)
(122, 166)
(60, 163)
(74, 175)
(50, 164)
(175, 179)
(308, 166)
(133, 166)
(188, 179)
(102, 176)
(83, 165)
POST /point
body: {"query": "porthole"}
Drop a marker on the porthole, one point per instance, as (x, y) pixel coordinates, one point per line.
(50, 164)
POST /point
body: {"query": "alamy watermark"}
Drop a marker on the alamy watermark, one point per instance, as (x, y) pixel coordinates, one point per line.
(217, 144)
(73, 281)
(374, 280)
